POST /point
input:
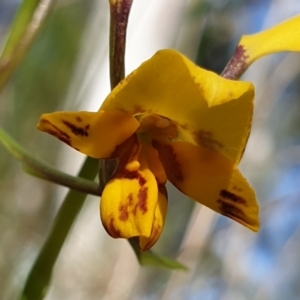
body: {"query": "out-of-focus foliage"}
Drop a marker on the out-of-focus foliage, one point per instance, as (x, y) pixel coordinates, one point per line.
(225, 260)
(41, 82)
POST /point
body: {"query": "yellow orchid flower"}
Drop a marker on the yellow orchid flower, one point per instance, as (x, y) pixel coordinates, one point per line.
(168, 120)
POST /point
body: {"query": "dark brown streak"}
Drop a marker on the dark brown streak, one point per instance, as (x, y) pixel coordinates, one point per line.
(142, 196)
(77, 130)
(230, 210)
(169, 160)
(111, 229)
(233, 197)
(61, 135)
(123, 212)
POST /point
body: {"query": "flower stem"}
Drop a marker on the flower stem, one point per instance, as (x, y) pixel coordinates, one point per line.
(42, 170)
(119, 13)
(237, 65)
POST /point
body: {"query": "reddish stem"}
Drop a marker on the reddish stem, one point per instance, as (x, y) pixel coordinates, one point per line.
(119, 13)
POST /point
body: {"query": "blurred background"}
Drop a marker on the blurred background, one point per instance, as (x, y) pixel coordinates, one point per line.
(67, 69)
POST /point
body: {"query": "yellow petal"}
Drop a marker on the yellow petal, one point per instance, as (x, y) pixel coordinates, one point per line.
(155, 164)
(210, 179)
(95, 134)
(129, 199)
(282, 37)
(159, 219)
(210, 111)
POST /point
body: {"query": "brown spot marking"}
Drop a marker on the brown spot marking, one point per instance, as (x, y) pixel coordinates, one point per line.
(197, 83)
(232, 197)
(206, 140)
(123, 212)
(200, 87)
(61, 135)
(230, 210)
(143, 197)
(124, 208)
(78, 119)
(130, 199)
(236, 188)
(76, 130)
(111, 229)
(169, 161)
(127, 174)
(142, 180)
(134, 209)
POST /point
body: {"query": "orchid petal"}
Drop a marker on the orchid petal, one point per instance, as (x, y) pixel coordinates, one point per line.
(282, 37)
(210, 179)
(96, 134)
(158, 222)
(209, 110)
(155, 164)
(158, 171)
(129, 199)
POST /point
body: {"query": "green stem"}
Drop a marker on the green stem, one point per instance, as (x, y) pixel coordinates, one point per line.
(150, 258)
(42, 170)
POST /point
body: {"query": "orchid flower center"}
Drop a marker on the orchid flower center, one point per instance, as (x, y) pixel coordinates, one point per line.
(156, 126)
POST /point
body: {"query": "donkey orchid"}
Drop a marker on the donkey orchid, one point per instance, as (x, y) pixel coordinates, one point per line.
(168, 120)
